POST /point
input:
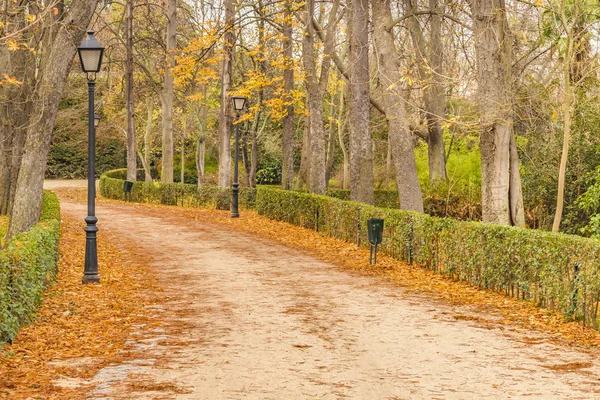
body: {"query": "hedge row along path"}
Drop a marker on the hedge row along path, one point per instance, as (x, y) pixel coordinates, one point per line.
(245, 317)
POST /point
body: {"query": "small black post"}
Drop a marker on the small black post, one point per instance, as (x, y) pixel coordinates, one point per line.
(235, 187)
(90, 273)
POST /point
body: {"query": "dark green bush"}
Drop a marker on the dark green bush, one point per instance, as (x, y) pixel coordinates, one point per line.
(28, 264)
(528, 264)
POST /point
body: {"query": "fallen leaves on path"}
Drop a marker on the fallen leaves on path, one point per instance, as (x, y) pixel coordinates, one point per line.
(503, 312)
(79, 328)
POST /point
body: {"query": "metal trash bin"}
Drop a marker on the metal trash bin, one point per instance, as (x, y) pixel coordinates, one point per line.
(127, 186)
(375, 231)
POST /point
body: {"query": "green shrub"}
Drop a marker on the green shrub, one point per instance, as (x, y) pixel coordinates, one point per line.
(534, 265)
(175, 194)
(28, 264)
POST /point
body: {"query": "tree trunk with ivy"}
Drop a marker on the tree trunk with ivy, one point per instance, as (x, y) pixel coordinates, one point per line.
(287, 141)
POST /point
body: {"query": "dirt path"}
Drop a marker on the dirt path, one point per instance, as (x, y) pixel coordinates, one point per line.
(250, 319)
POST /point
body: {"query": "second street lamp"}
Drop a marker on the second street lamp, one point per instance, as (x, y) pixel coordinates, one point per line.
(238, 105)
(90, 55)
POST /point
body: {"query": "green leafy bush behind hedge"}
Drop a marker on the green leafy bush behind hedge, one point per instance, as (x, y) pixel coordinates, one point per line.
(28, 264)
(534, 265)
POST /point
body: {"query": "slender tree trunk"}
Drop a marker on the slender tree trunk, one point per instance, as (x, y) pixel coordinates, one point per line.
(500, 180)
(167, 103)
(253, 162)
(225, 113)
(131, 143)
(183, 137)
(340, 131)
(361, 156)
(54, 65)
(388, 164)
(287, 141)
(400, 138)
(331, 143)
(566, 111)
(201, 141)
(305, 157)
(147, 140)
(316, 178)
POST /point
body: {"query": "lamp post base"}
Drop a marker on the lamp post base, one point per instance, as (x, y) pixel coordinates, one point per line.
(90, 272)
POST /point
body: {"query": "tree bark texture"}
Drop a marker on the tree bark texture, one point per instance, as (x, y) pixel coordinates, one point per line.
(131, 143)
(225, 119)
(400, 138)
(287, 141)
(429, 64)
(54, 65)
(314, 99)
(361, 156)
(167, 96)
(147, 139)
(502, 199)
(15, 104)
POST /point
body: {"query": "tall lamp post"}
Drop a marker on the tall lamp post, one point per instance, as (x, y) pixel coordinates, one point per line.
(238, 105)
(90, 54)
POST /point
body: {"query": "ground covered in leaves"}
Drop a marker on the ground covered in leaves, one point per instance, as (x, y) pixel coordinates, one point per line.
(93, 322)
(86, 323)
(508, 313)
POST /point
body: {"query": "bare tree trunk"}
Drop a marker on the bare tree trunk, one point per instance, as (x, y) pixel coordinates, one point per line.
(147, 140)
(225, 114)
(287, 141)
(566, 111)
(436, 98)
(314, 98)
(131, 143)
(304, 157)
(501, 201)
(331, 142)
(346, 175)
(388, 163)
(201, 141)
(183, 137)
(167, 103)
(54, 65)
(361, 156)
(15, 101)
(253, 162)
(400, 138)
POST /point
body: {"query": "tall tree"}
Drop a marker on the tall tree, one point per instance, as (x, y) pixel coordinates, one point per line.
(54, 62)
(361, 156)
(502, 199)
(287, 140)
(167, 95)
(225, 113)
(400, 138)
(131, 143)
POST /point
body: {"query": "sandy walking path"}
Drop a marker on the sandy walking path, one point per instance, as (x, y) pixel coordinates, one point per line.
(246, 318)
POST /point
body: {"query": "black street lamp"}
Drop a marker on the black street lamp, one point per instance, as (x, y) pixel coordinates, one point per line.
(90, 55)
(238, 105)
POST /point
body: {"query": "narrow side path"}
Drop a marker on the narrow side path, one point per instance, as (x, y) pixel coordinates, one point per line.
(246, 318)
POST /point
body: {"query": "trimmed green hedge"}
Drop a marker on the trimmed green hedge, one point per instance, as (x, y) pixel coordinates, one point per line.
(553, 270)
(28, 264)
(174, 194)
